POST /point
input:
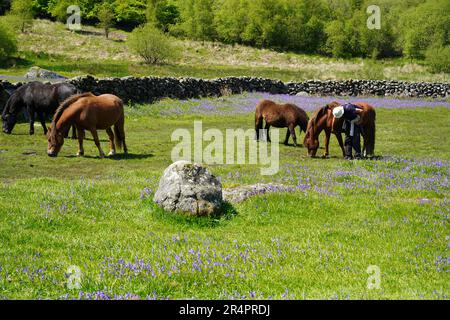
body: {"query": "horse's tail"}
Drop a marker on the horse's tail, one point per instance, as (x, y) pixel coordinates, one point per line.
(119, 131)
(369, 136)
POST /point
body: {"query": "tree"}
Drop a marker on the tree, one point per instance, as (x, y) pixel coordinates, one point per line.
(152, 45)
(438, 58)
(425, 25)
(23, 12)
(130, 12)
(162, 14)
(106, 17)
(231, 19)
(8, 42)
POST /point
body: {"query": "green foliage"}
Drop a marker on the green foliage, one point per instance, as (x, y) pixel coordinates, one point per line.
(58, 9)
(8, 41)
(130, 13)
(426, 25)
(438, 58)
(162, 14)
(334, 27)
(152, 45)
(106, 17)
(23, 12)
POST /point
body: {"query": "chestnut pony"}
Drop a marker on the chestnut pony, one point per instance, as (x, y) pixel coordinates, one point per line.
(280, 116)
(88, 112)
(323, 120)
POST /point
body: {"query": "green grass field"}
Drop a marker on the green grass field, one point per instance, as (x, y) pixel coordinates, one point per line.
(314, 243)
(50, 46)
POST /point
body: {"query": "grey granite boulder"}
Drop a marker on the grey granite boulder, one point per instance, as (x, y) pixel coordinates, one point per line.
(189, 188)
(39, 73)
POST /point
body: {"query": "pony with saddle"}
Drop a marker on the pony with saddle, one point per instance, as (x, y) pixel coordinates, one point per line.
(280, 116)
(323, 120)
(88, 112)
(39, 99)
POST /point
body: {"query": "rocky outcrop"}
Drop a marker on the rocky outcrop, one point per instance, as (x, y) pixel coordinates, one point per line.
(39, 73)
(242, 193)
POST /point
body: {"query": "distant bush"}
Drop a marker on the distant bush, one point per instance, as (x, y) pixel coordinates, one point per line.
(438, 59)
(8, 42)
(152, 45)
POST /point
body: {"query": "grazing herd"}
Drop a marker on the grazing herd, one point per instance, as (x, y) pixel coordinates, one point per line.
(85, 111)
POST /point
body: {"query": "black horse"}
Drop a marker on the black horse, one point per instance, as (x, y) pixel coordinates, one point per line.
(4, 96)
(39, 99)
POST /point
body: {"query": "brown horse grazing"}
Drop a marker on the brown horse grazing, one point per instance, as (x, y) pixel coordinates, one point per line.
(280, 116)
(88, 112)
(323, 120)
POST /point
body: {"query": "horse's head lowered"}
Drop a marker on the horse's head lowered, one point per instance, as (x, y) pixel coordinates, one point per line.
(9, 116)
(315, 126)
(55, 141)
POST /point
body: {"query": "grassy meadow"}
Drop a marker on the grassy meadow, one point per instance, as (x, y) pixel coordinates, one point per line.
(316, 242)
(49, 45)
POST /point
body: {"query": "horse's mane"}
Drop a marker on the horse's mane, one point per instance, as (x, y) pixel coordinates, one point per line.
(67, 103)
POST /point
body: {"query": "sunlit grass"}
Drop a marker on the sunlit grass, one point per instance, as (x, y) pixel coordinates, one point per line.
(314, 243)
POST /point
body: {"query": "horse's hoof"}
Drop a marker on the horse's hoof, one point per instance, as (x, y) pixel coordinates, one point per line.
(80, 154)
(325, 156)
(111, 153)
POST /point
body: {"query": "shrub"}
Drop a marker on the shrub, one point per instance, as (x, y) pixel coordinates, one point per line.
(8, 42)
(438, 59)
(152, 45)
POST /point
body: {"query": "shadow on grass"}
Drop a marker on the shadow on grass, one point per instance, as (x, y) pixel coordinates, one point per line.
(228, 212)
(120, 156)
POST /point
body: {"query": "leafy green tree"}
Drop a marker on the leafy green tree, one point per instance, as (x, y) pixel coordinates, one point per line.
(106, 17)
(130, 12)
(152, 45)
(58, 9)
(336, 39)
(23, 12)
(266, 24)
(438, 58)
(425, 25)
(231, 19)
(8, 42)
(162, 14)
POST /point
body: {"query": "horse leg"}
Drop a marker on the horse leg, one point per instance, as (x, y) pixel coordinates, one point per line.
(258, 127)
(42, 120)
(267, 128)
(288, 134)
(97, 142)
(32, 118)
(327, 143)
(341, 142)
(80, 142)
(292, 132)
(74, 132)
(112, 146)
